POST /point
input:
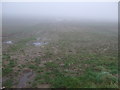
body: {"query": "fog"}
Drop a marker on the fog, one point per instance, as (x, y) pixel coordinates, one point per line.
(76, 43)
(94, 11)
(20, 15)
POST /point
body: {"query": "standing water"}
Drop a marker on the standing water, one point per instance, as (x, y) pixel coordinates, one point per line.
(39, 43)
(27, 75)
(9, 42)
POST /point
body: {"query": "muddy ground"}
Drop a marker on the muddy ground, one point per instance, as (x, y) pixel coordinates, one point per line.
(60, 55)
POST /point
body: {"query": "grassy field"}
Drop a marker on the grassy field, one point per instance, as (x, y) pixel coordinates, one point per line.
(75, 56)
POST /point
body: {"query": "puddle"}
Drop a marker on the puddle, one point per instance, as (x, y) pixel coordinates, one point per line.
(39, 43)
(8, 42)
(27, 76)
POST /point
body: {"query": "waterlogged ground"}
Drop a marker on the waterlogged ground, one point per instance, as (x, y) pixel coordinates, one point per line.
(61, 56)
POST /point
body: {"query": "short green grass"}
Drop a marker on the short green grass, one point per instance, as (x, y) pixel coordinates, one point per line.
(71, 60)
(9, 67)
(21, 44)
(8, 83)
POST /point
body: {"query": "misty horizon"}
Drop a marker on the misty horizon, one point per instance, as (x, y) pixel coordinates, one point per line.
(84, 12)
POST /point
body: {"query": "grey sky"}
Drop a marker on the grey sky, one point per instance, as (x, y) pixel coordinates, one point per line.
(92, 11)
